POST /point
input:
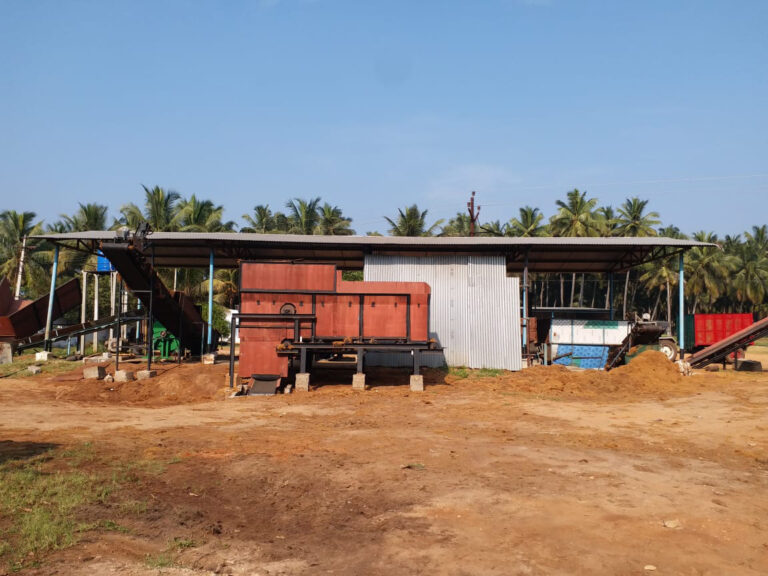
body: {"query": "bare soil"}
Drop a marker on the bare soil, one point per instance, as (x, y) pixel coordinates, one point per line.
(547, 471)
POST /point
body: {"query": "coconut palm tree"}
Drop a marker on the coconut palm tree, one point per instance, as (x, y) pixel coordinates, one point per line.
(527, 224)
(14, 228)
(494, 228)
(707, 272)
(160, 210)
(262, 221)
(194, 215)
(90, 216)
(303, 216)
(332, 222)
(412, 222)
(575, 217)
(634, 221)
(457, 226)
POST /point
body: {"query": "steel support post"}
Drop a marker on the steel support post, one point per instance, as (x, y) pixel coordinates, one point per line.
(416, 362)
(83, 310)
(117, 329)
(96, 311)
(210, 302)
(150, 337)
(51, 294)
(525, 306)
(681, 304)
(610, 294)
(232, 327)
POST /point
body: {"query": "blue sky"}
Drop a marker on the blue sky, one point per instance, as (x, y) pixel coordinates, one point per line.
(377, 105)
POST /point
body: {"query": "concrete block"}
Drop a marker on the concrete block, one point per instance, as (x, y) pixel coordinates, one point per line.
(34, 369)
(124, 376)
(302, 382)
(6, 353)
(94, 373)
(42, 356)
(358, 381)
(417, 383)
(145, 374)
(109, 378)
(209, 358)
(94, 360)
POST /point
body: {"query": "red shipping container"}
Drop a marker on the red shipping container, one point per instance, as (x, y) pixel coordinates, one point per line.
(711, 328)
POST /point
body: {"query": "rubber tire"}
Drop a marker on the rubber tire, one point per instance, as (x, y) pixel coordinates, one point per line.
(668, 348)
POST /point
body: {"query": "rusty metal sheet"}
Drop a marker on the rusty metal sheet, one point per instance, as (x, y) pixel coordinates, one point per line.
(31, 318)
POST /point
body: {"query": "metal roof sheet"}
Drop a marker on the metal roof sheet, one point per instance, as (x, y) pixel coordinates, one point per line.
(545, 254)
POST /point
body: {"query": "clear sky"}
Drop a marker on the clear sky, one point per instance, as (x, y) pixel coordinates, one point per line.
(374, 105)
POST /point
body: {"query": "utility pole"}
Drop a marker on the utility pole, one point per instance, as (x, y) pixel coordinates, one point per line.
(473, 216)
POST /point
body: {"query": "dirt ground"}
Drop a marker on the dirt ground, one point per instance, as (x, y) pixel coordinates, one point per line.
(547, 471)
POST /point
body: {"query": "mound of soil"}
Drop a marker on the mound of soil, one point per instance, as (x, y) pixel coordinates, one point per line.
(649, 374)
(174, 384)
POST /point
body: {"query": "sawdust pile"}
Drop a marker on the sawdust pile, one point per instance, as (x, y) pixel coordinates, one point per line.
(649, 374)
(185, 384)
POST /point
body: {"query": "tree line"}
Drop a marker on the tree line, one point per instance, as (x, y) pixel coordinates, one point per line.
(733, 278)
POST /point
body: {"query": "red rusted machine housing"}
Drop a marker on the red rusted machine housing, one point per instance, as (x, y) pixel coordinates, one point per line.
(283, 303)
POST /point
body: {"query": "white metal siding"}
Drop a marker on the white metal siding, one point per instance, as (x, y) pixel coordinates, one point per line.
(474, 312)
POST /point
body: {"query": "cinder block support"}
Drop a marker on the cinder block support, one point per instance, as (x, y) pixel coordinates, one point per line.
(94, 373)
(145, 374)
(124, 376)
(302, 382)
(417, 383)
(6, 353)
(358, 381)
(42, 356)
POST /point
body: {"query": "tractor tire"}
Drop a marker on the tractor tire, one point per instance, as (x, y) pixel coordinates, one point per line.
(668, 347)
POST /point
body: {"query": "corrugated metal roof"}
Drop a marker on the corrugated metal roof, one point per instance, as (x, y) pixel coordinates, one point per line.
(547, 254)
(405, 241)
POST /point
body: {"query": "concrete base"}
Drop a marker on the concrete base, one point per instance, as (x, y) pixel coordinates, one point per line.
(109, 378)
(145, 374)
(6, 353)
(124, 376)
(302, 382)
(209, 358)
(94, 373)
(417, 383)
(34, 369)
(94, 360)
(42, 356)
(358, 381)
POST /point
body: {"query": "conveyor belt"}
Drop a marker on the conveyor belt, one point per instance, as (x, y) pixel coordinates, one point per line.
(174, 311)
(718, 351)
(76, 330)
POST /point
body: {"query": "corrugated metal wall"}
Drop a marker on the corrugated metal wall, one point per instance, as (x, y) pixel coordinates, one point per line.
(474, 313)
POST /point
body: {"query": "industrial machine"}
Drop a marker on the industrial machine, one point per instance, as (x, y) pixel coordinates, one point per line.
(294, 312)
(644, 335)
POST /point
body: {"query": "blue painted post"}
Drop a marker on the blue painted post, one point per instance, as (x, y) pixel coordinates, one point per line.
(681, 313)
(210, 301)
(49, 318)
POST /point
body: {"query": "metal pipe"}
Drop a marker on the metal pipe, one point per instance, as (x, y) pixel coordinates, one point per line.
(51, 294)
(112, 283)
(17, 292)
(681, 312)
(210, 302)
(83, 310)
